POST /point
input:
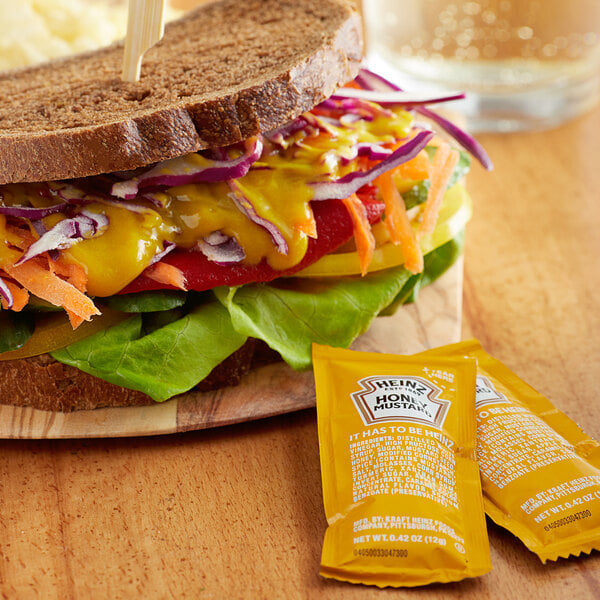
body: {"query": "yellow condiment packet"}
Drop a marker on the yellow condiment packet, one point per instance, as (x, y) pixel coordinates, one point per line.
(540, 473)
(401, 486)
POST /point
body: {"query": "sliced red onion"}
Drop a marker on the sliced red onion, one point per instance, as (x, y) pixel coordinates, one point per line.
(394, 98)
(372, 150)
(181, 171)
(329, 104)
(66, 233)
(41, 229)
(355, 106)
(372, 81)
(221, 249)
(245, 205)
(95, 189)
(128, 189)
(167, 247)
(153, 198)
(279, 135)
(467, 141)
(349, 118)
(352, 182)
(6, 294)
(136, 208)
(369, 80)
(320, 123)
(216, 238)
(70, 193)
(30, 212)
(325, 120)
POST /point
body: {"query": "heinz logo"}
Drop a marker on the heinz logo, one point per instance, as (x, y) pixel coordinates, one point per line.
(486, 393)
(400, 399)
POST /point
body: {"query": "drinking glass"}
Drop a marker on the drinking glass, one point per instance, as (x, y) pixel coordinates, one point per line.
(524, 64)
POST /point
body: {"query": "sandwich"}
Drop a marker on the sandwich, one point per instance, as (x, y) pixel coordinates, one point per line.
(255, 192)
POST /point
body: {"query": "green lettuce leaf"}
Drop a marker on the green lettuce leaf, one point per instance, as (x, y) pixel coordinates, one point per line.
(15, 330)
(159, 361)
(169, 350)
(144, 302)
(436, 263)
(292, 314)
(416, 195)
(461, 169)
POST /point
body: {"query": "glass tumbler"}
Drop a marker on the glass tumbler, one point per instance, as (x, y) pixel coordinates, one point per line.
(524, 64)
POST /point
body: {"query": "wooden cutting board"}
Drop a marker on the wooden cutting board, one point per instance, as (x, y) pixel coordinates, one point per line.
(271, 390)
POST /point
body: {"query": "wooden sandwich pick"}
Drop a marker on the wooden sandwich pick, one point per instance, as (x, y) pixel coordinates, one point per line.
(145, 27)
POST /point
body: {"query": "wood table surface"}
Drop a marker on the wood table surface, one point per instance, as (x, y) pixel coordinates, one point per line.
(237, 512)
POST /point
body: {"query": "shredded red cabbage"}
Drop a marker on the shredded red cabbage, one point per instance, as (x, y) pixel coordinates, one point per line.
(245, 205)
(167, 247)
(30, 212)
(468, 142)
(352, 182)
(372, 150)
(350, 118)
(278, 136)
(221, 249)
(5, 293)
(372, 81)
(394, 98)
(66, 233)
(369, 80)
(362, 109)
(137, 208)
(180, 171)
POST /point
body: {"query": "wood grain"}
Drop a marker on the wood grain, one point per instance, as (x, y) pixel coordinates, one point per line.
(271, 390)
(236, 512)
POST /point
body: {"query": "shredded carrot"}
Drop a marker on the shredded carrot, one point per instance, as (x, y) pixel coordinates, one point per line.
(309, 226)
(398, 224)
(59, 282)
(167, 274)
(41, 282)
(75, 320)
(365, 241)
(19, 295)
(415, 169)
(19, 237)
(444, 162)
(75, 274)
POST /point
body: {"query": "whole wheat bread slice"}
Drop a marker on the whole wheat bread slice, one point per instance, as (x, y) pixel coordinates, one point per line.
(46, 384)
(221, 74)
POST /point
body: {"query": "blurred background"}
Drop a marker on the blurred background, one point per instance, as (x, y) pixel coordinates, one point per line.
(524, 64)
(37, 30)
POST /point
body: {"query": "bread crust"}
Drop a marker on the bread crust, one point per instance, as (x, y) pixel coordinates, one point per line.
(222, 73)
(46, 384)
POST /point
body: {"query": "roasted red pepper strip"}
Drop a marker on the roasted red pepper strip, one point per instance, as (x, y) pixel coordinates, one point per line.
(334, 228)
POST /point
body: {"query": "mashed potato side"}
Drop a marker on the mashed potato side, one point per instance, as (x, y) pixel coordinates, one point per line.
(34, 31)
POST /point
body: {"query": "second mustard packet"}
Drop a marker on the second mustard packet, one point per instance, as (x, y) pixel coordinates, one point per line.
(401, 487)
(540, 472)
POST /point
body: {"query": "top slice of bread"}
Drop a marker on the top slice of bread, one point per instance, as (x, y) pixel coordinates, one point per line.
(221, 73)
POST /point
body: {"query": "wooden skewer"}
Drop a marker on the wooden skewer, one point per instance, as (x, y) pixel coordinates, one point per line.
(145, 27)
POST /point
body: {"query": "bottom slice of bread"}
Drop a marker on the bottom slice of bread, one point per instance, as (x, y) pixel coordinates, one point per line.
(46, 384)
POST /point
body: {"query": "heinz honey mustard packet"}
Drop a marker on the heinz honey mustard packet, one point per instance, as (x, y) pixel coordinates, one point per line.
(540, 473)
(401, 485)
